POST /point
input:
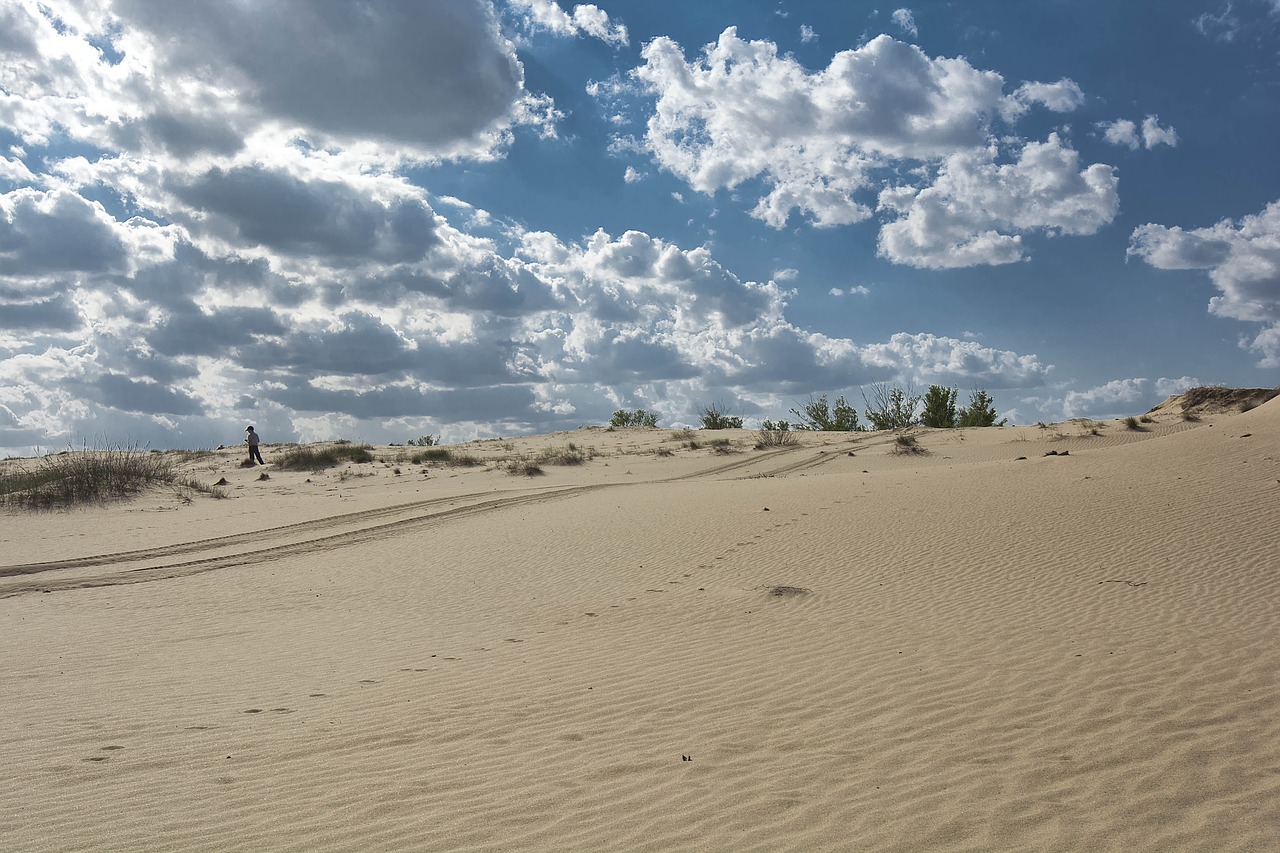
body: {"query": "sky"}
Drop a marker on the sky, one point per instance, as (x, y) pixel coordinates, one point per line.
(382, 219)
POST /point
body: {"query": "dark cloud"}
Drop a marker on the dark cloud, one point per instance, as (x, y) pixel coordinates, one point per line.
(121, 392)
(494, 404)
(55, 232)
(216, 333)
(50, 315)
(429, 73)
(316, 218)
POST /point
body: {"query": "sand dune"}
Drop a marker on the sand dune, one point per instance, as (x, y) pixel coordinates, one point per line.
(832, 646)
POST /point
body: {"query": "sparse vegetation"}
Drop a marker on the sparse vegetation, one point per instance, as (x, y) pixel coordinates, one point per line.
(714, 416)
(444, 456)
(907, 444)
(775, 434)
(892, 408)
(818, 414)
(1131, 423)
(313, 458)
(79, 477)
(682, 435)
(423, 441)
(570, 454)
(634, 418)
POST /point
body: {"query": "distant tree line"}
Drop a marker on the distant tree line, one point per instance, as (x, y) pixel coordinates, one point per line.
(885, 408)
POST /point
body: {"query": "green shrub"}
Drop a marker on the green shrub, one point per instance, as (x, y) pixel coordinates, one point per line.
(981, 411)
(634, 418)
(817, 414)
(939, 407)
(423, 441)
(715, 417)
(891, 408)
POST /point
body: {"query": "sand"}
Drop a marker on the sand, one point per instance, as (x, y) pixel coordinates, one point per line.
(830, 646)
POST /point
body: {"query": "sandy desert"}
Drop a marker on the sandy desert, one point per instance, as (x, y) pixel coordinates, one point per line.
(1060, 637)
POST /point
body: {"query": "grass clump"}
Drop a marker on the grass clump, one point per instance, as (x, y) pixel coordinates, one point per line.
(76, 478)
(570, 454)
(907, 444)
(444, 456)
(775, 434)
(312, 458)
(1131, 423)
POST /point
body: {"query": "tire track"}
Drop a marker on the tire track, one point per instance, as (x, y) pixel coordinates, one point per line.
(114, 569)
(232, 540)
(28, 584)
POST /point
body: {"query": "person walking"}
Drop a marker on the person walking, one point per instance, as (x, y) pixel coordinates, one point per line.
(253, 440)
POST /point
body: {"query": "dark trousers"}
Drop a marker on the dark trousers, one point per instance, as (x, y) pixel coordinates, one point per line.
(254, 454)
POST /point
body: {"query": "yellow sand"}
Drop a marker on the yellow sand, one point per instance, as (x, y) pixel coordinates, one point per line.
(825, 647)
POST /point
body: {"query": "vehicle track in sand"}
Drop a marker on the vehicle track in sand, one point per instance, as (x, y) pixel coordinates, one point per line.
(127, 567)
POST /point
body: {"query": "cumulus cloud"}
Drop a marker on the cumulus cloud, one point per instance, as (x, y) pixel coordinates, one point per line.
(1104, 400)
(1127, 133)
(1242, 259)
(976, 211)
(434, 78)
(819, 142)
(586, 19)
(807, 34)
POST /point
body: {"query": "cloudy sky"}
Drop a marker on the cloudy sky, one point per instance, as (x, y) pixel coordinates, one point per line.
(376, 219)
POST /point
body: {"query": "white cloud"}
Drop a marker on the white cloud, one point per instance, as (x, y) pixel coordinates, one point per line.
(817, 141)
(1243, 261)
(1125, 132)
(631, 176)
(976, 211)
(1121, 132)
(1063, 96)
(807, 34)
(1104, 400)
(859, 290)
(1166, 387)
(1153, 134)
(788, 274)
(905, 21)
(586, 19)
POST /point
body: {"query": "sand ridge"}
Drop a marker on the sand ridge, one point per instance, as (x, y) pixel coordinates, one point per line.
(980, 647)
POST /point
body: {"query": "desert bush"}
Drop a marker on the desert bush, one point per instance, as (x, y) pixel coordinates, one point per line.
(423, 441)
(633, 418)
(714, 416)
(775, 434)
(939, 407)
(891, 408)
(1131, 423)
(570, 454)
(981, 411)
(905, 444)
(73, 478)
(818, 414)
(311, 458)
(682, 435)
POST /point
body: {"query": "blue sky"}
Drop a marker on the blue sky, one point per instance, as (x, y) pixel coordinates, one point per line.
(383, 219)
